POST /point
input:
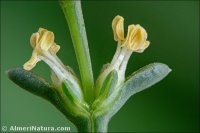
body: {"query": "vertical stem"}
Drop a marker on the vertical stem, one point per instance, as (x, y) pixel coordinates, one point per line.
(100, 125)
(93, 125)
(73, 13)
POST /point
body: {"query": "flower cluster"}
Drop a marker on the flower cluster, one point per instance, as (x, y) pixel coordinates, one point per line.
(135, 41)
(44, 48)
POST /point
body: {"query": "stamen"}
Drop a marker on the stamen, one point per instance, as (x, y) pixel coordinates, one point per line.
(135, 41)
(44, 48)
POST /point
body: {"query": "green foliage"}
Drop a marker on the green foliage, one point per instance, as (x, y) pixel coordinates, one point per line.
(138, 81)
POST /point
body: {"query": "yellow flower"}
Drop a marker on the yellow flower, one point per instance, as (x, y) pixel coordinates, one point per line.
(43, 44)
(136, 39)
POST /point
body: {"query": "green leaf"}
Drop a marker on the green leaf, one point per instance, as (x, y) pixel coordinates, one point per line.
(138, 81)
(71, 92)
(68, 92)
(73, 13)
(108, 87)
(109, 84)
(38, 86)
(31, 82)
(145, 77)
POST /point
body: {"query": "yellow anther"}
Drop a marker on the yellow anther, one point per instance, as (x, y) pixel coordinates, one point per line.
(136, 39)
(118, 28)
(32, 61)
(46, 41)
(54, 48)
(41, 42)
(143, 47)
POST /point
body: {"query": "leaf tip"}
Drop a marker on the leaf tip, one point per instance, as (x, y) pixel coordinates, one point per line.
(12, 72)
(161, 68)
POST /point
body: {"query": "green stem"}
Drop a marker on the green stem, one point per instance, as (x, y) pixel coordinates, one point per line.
(100, 125)
(73, 13)
(94, 125)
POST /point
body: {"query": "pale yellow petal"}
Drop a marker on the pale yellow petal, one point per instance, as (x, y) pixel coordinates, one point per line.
(32, 62)
(136, 38)
(34, 39)
(54, 48)
(143, 35)
(41, 31)
(47, 40)
(118, 28)
(145, 45)
(140, 39)
(130, 35)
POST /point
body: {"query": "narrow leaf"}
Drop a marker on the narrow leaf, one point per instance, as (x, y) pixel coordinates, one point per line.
(38, 86)
(109, 84)
(138, 81)
(71, 92)
(108, 87)
(145, 77)
(31, 82)
(68, 92)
